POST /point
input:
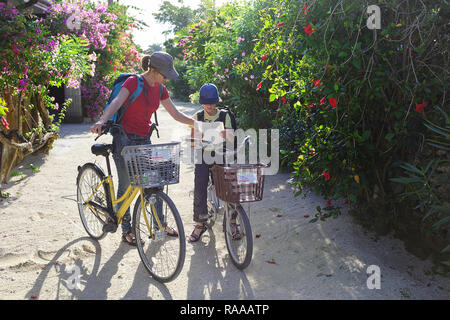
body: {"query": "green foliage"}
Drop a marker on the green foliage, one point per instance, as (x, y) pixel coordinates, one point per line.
(350, 103)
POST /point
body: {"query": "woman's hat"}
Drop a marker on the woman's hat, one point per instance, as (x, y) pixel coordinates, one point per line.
(163, 62)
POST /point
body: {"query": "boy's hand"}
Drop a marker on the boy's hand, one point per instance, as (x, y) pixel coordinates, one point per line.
(227, 134)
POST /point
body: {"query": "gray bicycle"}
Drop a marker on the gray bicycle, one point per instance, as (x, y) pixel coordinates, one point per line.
(229, 186)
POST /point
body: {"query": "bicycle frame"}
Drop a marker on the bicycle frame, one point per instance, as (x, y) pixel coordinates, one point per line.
(126, 199)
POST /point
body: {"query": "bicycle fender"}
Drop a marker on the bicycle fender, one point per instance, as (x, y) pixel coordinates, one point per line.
(94, 166)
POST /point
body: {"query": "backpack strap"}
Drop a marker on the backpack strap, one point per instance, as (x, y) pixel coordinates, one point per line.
(201, 116)
(132, 97)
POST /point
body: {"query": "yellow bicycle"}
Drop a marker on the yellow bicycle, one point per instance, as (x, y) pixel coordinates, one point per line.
(149, 168)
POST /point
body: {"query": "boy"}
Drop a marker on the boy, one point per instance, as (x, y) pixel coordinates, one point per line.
(209, 97)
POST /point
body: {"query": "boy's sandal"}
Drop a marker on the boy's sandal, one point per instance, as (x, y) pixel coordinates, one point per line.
(195, 236)
(130, 238)
(236, 235)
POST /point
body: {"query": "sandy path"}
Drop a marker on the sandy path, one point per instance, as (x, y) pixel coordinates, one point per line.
(42, 239)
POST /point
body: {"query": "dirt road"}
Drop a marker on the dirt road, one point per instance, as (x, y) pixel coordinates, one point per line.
(42, 240)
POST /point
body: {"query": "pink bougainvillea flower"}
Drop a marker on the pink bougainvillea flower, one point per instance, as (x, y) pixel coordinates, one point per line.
(5, 123)
(317, 83)
(259, 86)
(421, 107)
(15, 49)
(271, 261)
(280, 25)
(326, 175)
(333, 102)
(309, 29)
(322, 101)
(305, 9)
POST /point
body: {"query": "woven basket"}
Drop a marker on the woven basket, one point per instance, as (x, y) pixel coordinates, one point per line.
(239, 183)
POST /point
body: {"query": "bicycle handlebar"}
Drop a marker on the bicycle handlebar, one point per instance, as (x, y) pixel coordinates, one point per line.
(207, 143)
(109, 125)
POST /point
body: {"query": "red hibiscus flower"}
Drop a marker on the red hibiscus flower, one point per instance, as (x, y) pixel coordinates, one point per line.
(420, 107)
(283, 99)
(326, 175)
(259, 86)
(317, 83)
(310, 106)
(305, 9)
(329, 202)
(5, 123)
(309, 29)
(264, 57)
(333, 102)
(322, 101)
(280, 25)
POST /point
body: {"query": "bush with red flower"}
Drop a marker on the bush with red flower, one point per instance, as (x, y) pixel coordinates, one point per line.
(362, 99)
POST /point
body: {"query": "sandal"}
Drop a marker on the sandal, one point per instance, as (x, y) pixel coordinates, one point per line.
(236, 235)
(195, 236)
(130, 238)
(171, 232)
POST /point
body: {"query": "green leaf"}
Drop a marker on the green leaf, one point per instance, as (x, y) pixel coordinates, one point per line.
(273, 97)
(441, 209)
(405, 180)
(442, 222)
(411, 168)
(389, 136)
(446, 249)
(357, 64)
(437, 130)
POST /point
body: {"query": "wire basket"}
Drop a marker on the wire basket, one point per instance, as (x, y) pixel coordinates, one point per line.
(239, 183)
(152, 165)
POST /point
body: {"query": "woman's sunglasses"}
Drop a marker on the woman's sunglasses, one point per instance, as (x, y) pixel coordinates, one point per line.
(164, 77)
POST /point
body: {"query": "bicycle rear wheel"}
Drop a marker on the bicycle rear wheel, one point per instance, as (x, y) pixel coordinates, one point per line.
(163, 255)
(89, 178)
(238, 235)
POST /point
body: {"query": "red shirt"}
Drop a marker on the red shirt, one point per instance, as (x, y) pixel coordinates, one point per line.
(136, 119)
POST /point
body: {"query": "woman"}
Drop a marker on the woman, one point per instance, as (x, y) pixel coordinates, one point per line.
(158, 68)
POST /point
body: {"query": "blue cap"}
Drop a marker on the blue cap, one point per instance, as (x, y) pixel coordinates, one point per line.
(208, 94)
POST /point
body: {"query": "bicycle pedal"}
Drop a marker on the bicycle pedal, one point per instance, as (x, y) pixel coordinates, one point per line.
(110, 227)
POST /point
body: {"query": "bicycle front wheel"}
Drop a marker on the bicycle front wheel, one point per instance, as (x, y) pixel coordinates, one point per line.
(88, 187)
(161, 252)
(238, 235)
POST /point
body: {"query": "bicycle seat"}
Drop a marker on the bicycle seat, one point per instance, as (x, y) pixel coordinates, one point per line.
(102, 149)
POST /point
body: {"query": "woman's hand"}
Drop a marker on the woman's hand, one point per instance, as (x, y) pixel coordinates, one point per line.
(97, 127)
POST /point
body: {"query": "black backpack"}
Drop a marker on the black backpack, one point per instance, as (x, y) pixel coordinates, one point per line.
(222, 117)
